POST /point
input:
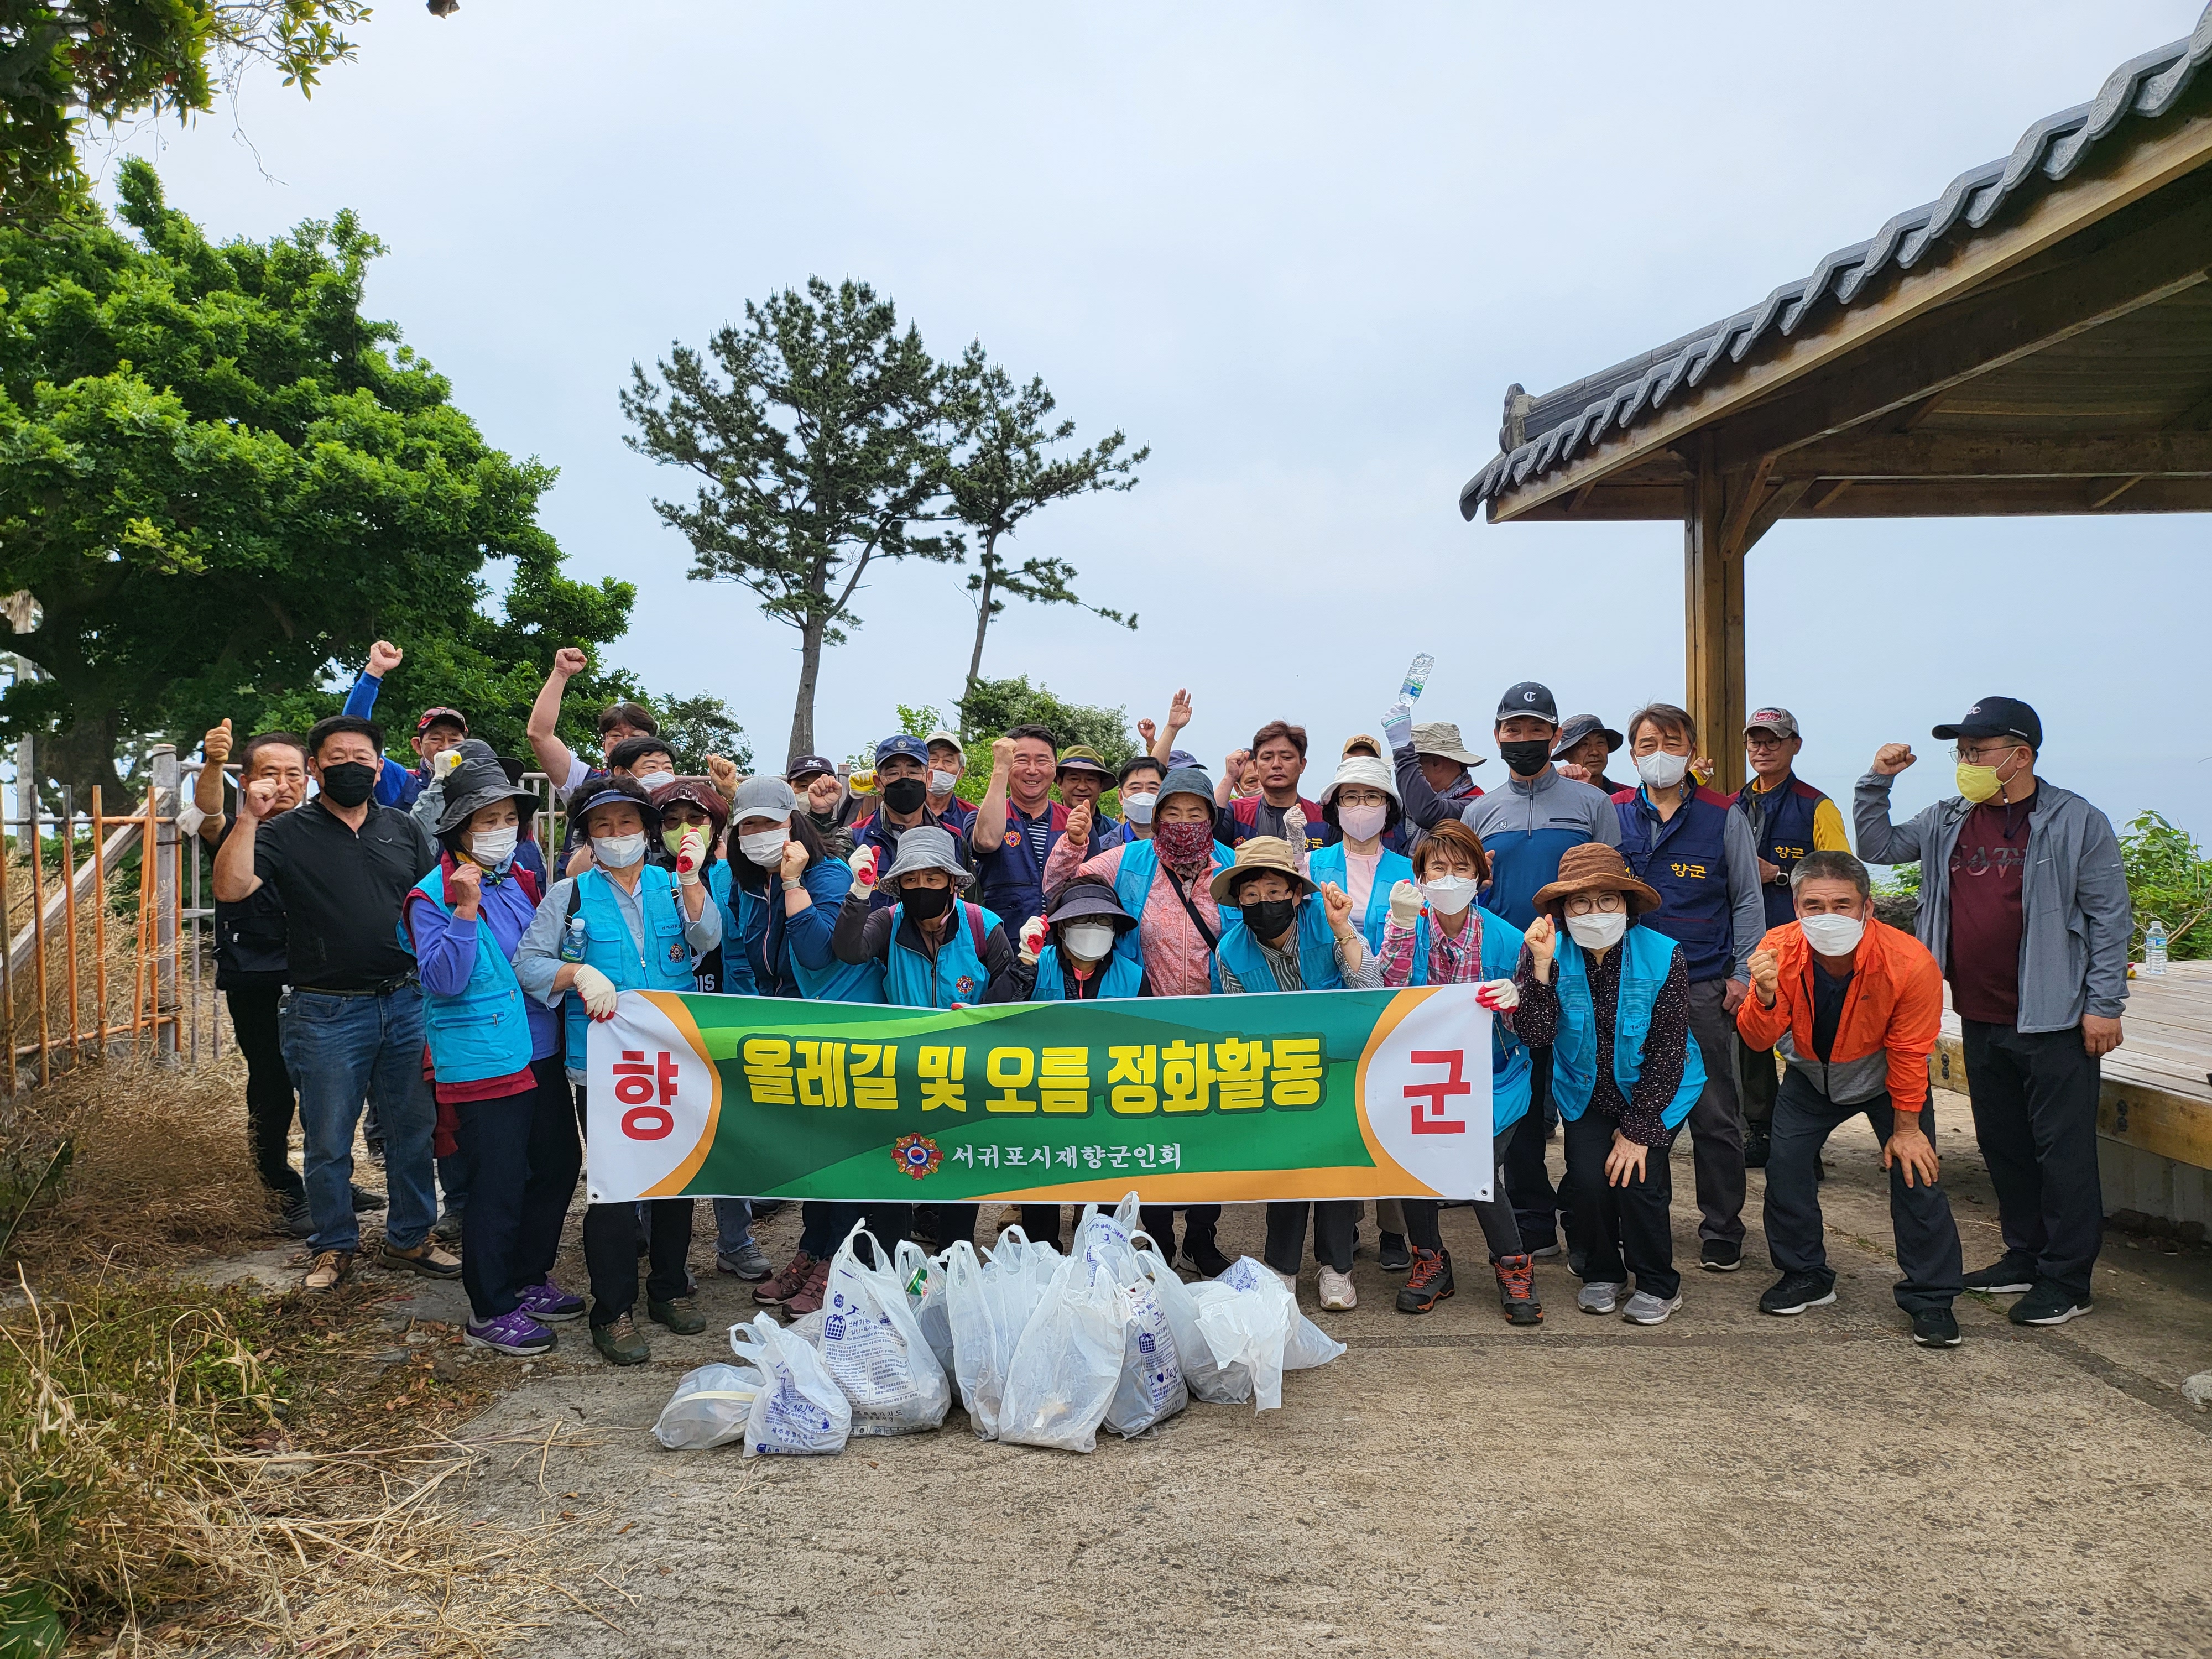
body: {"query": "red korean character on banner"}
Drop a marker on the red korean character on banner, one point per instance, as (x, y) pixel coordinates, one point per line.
(637, 1082)
(1430, 1120)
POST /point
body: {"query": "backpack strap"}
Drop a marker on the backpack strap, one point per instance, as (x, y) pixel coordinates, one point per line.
(975, 927)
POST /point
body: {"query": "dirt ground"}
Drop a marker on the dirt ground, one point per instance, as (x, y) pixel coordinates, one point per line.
(1725, 1483)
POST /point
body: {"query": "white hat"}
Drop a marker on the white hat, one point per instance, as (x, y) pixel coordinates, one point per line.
(1363, 769)
(942, 736)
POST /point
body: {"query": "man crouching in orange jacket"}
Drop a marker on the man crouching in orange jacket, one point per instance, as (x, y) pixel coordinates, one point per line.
(1854, 1007)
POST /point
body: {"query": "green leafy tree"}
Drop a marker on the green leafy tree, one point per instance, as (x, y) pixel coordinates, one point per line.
(992, 708)
(2169, 880)
(65, 62)
(814, 431)
(219, 482)
(1000, 471)
(697, 726)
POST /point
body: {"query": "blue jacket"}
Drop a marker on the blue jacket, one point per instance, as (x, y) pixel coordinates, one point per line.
(1686, 858)
(1133, 885)
(1317, 966)
(664, 963)
(1784, 836)
(1328, 863)
(1643, 970)
(483, 1031)
(1527, 825)
(395, 784)
(1509, 1056)
(1123, 976)
(954, 974)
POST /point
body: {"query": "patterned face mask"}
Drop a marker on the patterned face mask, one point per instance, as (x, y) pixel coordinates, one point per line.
(1183, 847)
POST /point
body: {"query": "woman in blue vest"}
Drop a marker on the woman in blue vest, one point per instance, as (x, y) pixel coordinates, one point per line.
(1361, 804)
(1612, 999)
(1439, 935)
(1286, 934)
(623, 924)
(495, 1057)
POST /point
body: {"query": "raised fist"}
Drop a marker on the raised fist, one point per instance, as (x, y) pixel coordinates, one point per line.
(215, 748)
(1338, 903)
(722, 772)
(864, 868)
(1765, 975)
(1077, 829)
(463, 889)
(1894, 757)
(1032, 938)
(690, 854)
(1149, 732)
(795, 861)
(1542, 938)
(1576, 770)
(1002, 754)
(258, 799)
(383, 658)
(569, 662)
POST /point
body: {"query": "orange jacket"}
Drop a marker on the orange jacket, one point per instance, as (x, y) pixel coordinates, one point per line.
(1891, 1015)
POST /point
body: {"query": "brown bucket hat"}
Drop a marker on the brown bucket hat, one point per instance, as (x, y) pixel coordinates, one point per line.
(1594, 867)
(1264, 852)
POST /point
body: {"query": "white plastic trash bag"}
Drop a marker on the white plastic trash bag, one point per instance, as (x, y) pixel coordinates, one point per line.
(874, 1350)
(923, 1276)
(1308, 1345)
(710, 1407)
(1200, 1376)
(989, 1299)
(1246, 1316)
(1064, 1370)
(1150, 1388)
(807, 1328)
(799, 1411)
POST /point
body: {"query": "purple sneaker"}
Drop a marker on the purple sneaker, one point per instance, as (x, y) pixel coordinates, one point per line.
(548, 1304)
(511, 1333)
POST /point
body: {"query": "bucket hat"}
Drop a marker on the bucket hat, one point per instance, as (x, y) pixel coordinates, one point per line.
(1185, 781)
(1260, 852)
(478, 780)
(1362, 769)
(1084, 897)
(1078, 757)
(1442, 738)
(695, 792)
(1579, 726)
(1594, 867)
(925, 847)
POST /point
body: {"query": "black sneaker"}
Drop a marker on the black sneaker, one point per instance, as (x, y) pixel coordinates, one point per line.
(1206, 1255)
(296, 1218)
(2005, 1277)
(2049, 1304)
(365, 1201)
(1936, 1328)
(1578, 1259)
(1392, 1255)
(1718, 1256)
(1792, 1293)
(1755, 1148)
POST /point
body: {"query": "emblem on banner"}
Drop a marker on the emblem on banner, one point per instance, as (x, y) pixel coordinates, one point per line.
(917, 1155)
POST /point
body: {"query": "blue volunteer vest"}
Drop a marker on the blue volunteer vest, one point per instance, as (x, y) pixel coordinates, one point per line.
(956, 974)
(1647, 956)
(1330, 864)
(1123, 976)
(663, 963)
(1784, 838)
(1686, 858)
(1133, 885)
(484, 1031)
(1508, 1057)
(737, 907)
(1240, 953)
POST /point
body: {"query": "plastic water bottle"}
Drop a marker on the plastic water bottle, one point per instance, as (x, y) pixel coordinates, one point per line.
(571, 940)
(1416, 676)
(2154, 949)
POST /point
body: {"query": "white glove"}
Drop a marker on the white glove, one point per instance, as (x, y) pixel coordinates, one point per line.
(1398, 724)
(598, 991)
(1499, 995)
(1294, 831)
(448, 760)
(1405, 904)
(864, 869)
(189, 818)
(690, 855)
(1032, 938)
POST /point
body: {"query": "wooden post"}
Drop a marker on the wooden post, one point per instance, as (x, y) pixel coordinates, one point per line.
(161, 803)
(100, 915)
(1712, 613)
(69, 916)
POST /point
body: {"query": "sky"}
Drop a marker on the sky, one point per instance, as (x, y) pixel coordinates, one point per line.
(1298, 250)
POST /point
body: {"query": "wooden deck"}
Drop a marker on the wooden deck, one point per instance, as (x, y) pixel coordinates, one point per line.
(2158, 1083)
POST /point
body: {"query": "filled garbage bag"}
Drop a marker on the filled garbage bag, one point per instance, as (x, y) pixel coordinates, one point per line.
(710, 1407)
(1246, 1316)
(923, 1276)
(799, 1411)
(873, 1348)
(1201, 1377)
(1066, 1366)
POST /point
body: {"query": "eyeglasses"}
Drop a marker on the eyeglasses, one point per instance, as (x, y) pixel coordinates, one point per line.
(1982, 754)
(1581, 904)
(1757, 746)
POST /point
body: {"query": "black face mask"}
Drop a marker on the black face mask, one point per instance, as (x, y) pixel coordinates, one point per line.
(926, 904)
(1269, 917)
(349, 783)
(1527, 757)
(904, 795)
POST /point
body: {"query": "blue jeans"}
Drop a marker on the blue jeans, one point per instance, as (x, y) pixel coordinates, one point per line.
(340, 1052)
(733, 1225)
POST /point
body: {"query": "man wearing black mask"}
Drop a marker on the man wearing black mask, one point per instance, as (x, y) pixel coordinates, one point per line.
(902, 786)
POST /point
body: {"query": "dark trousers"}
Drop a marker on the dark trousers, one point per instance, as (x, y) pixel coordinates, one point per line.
(1636, 1215)
(1715, 1122)
(611, 1249)
(1919, 1216)
(1198, 1222)
(1756, 1080)
(1536, 1205)
(822, 1226)
(945, 1225)
(1334, 1221)
(269, 1099)
(1040, 1224)
(523, 1149)
(2035, 1118)
(1499, 1230)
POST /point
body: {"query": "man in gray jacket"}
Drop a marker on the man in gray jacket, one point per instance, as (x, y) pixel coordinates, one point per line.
(2024, 902)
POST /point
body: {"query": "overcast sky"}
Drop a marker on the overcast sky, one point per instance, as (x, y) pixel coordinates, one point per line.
(1300, 251)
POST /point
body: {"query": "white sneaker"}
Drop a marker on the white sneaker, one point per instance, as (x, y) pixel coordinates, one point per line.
(1290, 1280)
(1336, 1292)
(1644, 1309)
(1599, 1297)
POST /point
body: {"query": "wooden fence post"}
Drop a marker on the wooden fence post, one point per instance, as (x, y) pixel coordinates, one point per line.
(168, 901)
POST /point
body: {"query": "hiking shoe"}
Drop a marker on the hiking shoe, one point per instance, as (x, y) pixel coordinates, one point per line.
(681, 1315)
(1936, 1328)
(296, 1218)
(1517, 1290)
(1392, 1255)
(426, 1258)
(1644, 1309)
(2005, 1277)
(1720, 1256)
(513, 1333)
(750, 1262)
(1205, 1256)
(621, 1343)
(329, 1269)
(785, 1284)
(1791, 1294)
(1337, 1295)
(365, 1201)
(808, 1297)
(548, 1304)
(1429, 1282)
(2048, 1304)
(1599, 1297)
(1755, 1146)
(446, 1228)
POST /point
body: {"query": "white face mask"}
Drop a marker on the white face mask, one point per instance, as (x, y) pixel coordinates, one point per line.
(493, 847)
(1601, 930)
(1361, 823)
(653, 781)
(1088, 941)
(618, 851)
(1449, 894)
(1833, 936)
(1139, 807)
(1661, 769)
(766, 848)
(940, 781)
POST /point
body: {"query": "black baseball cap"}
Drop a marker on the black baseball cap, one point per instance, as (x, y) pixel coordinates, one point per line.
(808, 766)
(1997, 717)
(1528, 698)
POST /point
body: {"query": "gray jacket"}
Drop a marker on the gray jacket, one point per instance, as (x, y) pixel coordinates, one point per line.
(2076, 918)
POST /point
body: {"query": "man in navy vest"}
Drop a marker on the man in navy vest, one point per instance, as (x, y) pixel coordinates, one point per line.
(1690, 844)
(1789, 818)
(1017, 824)
(903, 789)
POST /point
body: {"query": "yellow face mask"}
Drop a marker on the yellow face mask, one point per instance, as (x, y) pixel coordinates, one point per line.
(1978, 783)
